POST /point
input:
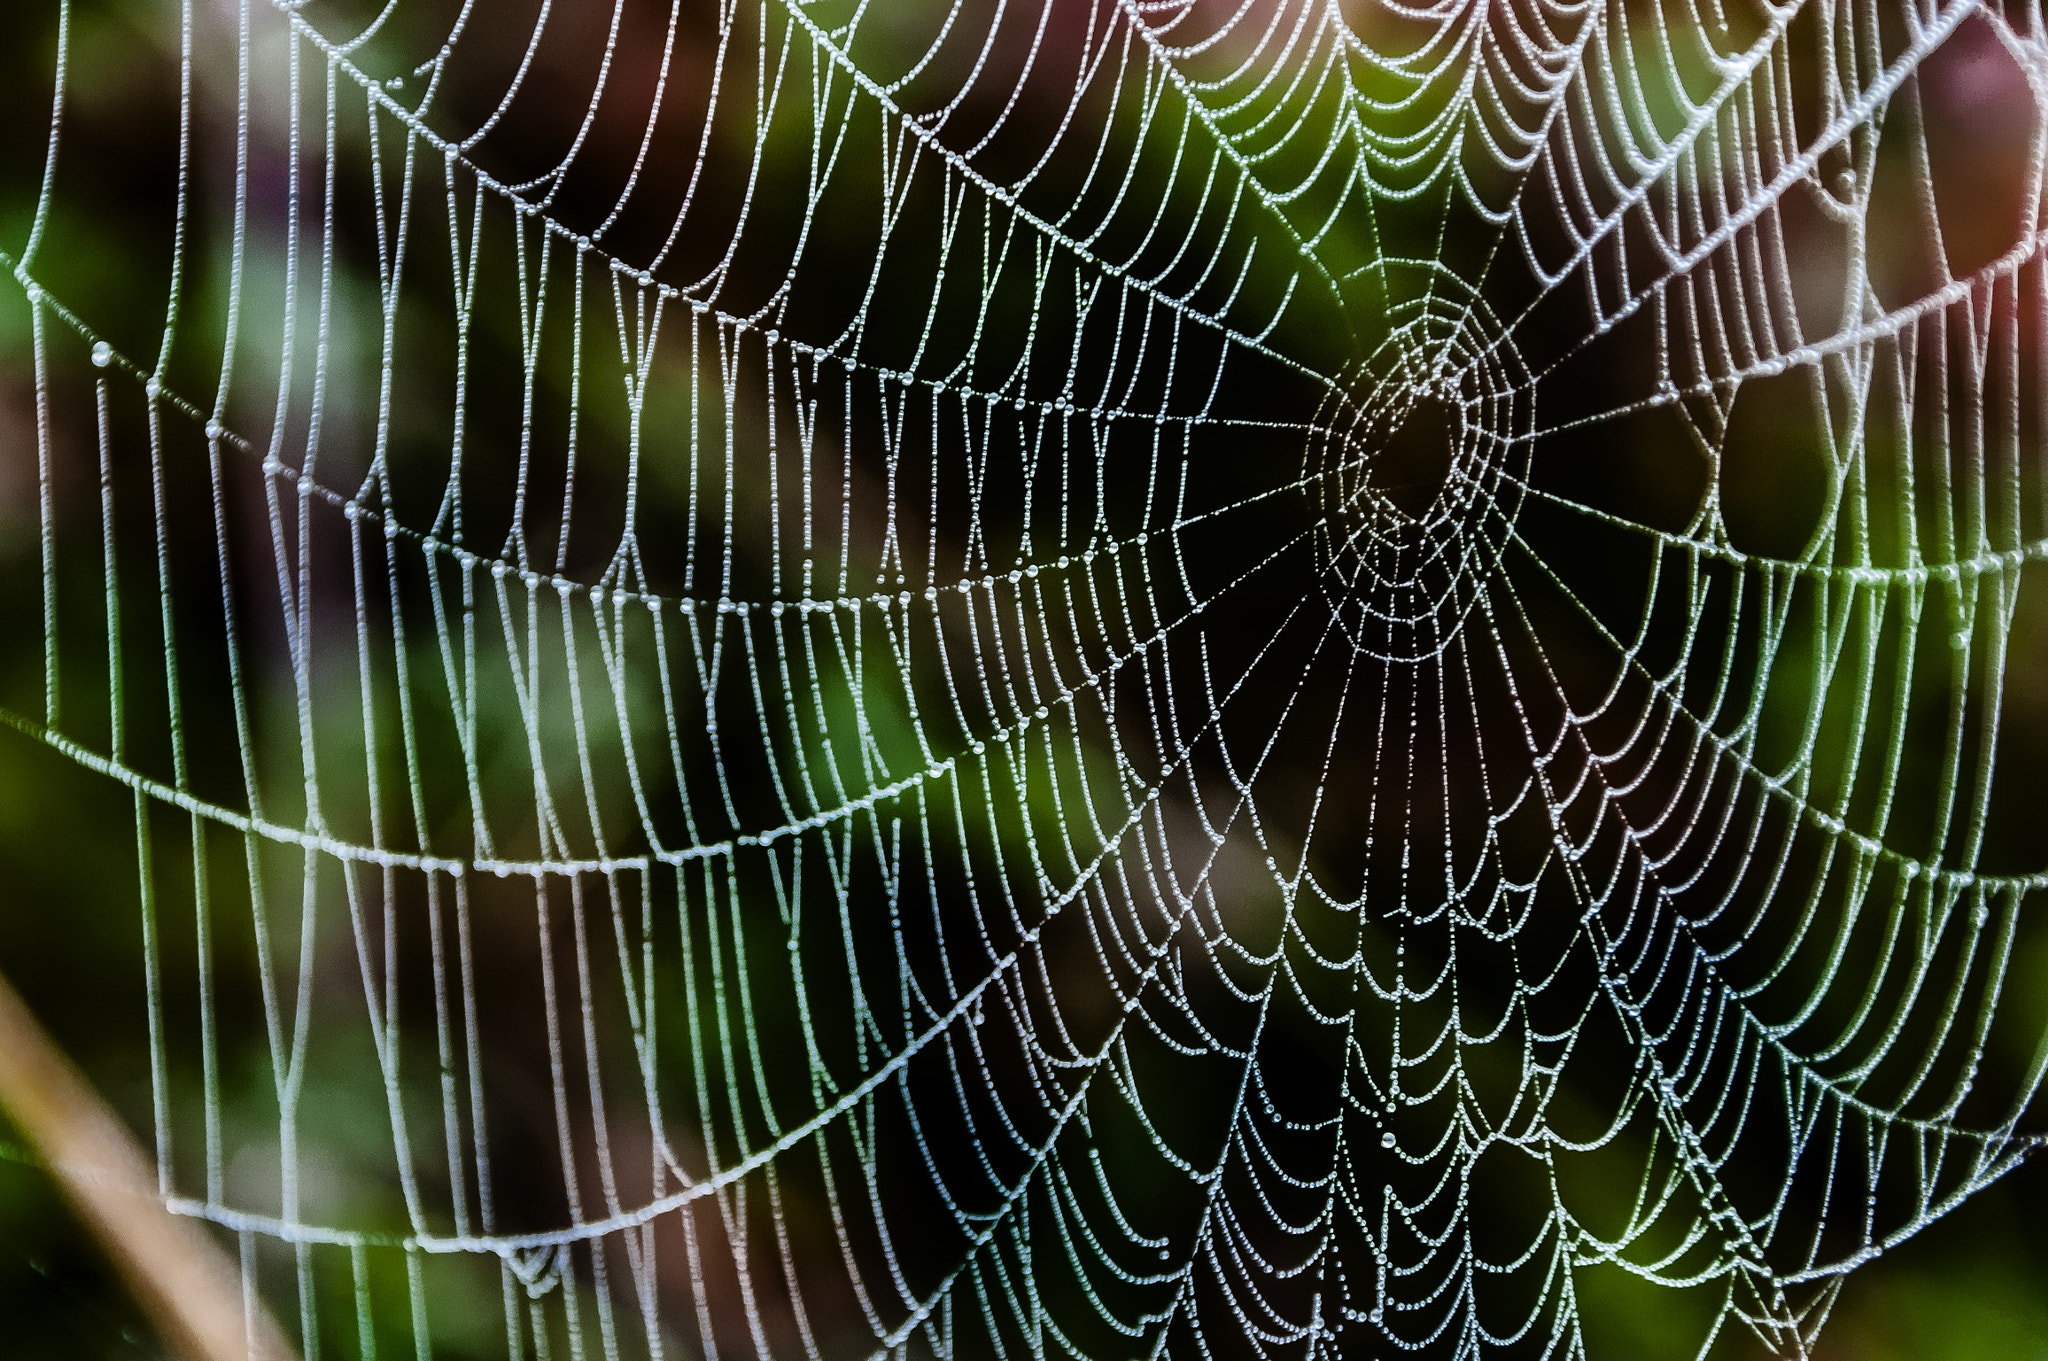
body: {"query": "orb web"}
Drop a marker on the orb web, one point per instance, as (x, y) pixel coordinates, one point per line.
(1156, 679)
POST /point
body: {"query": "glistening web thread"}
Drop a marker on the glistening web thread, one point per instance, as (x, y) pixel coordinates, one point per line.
(1099, 678)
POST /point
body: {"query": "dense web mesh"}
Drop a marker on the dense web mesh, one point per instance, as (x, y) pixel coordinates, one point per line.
(1098, 679)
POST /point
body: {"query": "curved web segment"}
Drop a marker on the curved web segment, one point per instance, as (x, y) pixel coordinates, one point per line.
(1099, 679)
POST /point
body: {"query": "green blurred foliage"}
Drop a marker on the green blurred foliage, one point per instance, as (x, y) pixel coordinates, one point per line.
(1972, 1287)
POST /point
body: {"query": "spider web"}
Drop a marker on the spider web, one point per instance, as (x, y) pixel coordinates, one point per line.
(1101, 679)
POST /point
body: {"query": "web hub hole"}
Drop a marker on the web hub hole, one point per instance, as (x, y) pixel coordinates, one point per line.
(1412, 465)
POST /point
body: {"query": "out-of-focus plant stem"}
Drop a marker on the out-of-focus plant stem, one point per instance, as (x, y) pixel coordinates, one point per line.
(186, 1285)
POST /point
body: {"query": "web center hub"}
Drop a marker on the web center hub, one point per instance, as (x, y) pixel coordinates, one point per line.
(1415, 471)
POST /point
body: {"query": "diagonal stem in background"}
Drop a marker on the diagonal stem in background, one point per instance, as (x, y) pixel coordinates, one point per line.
(186, 1285)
